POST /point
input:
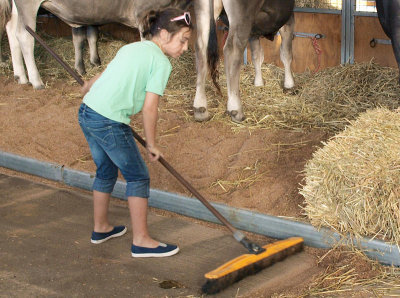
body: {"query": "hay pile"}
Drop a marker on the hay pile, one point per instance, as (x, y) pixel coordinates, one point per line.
(330, 4)
(326, 100)
(352, 184)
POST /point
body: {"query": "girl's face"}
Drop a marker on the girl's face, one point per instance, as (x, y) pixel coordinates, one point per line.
(175, 45)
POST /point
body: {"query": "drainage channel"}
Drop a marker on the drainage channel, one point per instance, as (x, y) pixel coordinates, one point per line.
(270, 226)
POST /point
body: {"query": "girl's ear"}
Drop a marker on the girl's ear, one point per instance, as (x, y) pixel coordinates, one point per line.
(165, 35)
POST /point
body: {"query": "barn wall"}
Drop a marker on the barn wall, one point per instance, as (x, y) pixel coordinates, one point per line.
(304, 54)
(53, 26)
(366, 29)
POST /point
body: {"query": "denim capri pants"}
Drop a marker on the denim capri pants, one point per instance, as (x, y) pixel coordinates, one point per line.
(113, 147)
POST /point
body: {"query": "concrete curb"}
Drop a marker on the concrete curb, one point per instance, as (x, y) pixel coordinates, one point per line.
(259, 223)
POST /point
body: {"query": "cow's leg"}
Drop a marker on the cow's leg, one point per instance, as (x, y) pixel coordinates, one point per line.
(202, 11)
(78, 39)
(92, 35)
(286, 53)
(257, 57)
(239, 32)
(1, 52)
(27, 16)
(395, 30)
(396, 47)
(389, 17)
(15, 49)
(233, 56)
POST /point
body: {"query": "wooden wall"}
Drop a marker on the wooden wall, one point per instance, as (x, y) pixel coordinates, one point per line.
(304, 55)
(367, 28)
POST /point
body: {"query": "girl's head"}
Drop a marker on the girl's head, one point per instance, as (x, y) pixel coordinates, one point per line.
(170, 29)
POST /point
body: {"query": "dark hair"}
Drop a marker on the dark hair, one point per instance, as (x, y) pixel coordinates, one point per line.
(157, 20)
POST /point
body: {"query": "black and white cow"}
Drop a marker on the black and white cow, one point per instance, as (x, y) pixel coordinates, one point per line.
(76, 13)
(389, 17)
(248, 21)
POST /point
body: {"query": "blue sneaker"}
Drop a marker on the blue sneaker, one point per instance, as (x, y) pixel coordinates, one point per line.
(163, 250)
(102, 237)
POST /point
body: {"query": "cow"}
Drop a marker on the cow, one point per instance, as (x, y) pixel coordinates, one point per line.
(389, 17)
(248, 21)
(76, 13)
(5, 11)
(79, 36)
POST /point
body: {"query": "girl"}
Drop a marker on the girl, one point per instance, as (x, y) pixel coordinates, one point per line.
(132, 82)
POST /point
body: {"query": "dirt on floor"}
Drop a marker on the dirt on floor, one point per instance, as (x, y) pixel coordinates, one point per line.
(254, 169)
(259, 170)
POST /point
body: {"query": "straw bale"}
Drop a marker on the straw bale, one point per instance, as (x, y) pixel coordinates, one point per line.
(352, 183)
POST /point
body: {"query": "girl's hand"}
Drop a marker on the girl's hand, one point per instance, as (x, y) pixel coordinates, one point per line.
(88, 84)
(154, 153)
(85, 88)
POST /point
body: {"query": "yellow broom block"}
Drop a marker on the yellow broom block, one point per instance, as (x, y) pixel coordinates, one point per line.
(248, 264)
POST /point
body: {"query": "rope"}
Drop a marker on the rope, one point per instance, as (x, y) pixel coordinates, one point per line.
(318, 52)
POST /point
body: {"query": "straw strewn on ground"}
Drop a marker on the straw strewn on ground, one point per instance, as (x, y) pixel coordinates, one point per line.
(352, 184)
(326, 100)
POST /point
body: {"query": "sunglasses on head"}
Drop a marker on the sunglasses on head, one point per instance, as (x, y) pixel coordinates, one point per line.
(185, 16)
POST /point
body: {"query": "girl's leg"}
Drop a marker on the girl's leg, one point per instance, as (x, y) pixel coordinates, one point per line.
(138, 211)
(99, 136)
(101, 202)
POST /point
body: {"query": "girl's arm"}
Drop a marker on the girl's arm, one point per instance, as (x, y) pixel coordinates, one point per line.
(88, 84)
(150, 117)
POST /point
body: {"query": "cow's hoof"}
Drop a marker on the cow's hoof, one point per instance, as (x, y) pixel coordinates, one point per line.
(201, 114)
(259, 83)
(291, 91)
(96, 62)
(38, 87)
(21, 81)
(236, 116)
(81, 71)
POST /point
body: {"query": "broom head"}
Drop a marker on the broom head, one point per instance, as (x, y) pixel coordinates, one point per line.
(249, 264)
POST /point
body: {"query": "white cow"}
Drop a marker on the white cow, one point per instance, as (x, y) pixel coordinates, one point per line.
(76, 13)
(79, 36)
(248, 20)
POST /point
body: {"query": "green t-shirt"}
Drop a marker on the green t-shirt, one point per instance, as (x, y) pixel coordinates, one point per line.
(120, 91)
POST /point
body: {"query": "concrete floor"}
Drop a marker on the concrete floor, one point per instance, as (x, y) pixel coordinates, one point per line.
(45, 251)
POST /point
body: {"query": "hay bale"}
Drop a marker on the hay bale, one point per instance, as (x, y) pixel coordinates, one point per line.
(352, 184)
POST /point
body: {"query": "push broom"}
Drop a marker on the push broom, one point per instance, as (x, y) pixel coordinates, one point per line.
(258, 257)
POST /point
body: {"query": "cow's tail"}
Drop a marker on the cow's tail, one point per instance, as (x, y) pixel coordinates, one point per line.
(212, 49)
(5, 12)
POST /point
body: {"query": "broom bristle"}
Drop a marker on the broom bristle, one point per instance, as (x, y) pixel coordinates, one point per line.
(249, 264)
